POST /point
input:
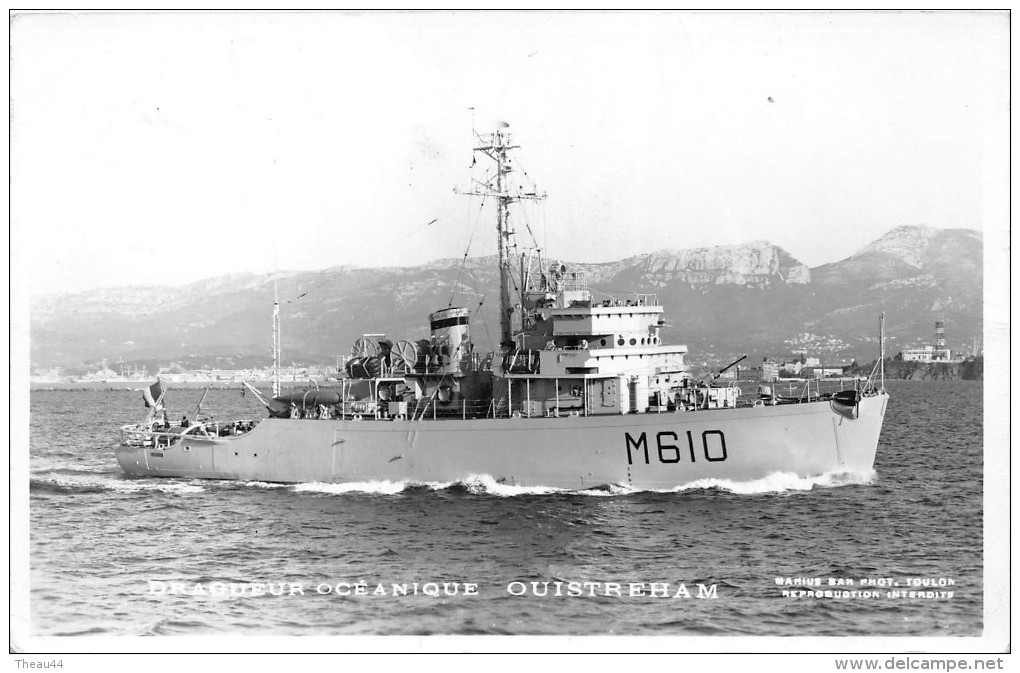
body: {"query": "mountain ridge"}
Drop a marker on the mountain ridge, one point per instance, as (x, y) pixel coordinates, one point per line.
(716, 296)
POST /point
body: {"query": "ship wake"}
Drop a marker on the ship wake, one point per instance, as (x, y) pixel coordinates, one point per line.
(779, 482)
(72, 481)
(475, 484)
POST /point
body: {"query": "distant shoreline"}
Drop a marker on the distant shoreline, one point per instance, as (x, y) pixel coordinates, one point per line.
(139, 385)
(226, 385)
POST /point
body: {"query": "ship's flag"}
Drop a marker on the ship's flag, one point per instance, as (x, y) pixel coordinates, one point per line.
(152, 395)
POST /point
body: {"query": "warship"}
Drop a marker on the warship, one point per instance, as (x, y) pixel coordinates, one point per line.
(582, 393)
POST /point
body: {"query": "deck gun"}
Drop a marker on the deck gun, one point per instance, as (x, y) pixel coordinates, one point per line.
(707, 379)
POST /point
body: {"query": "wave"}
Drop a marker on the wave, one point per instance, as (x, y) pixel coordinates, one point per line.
(382, 487)
(474, 484)
(165, 627)
(483, 483)
(96, 483)
(606, 490)
(63, 481)
(43, 470)
(261, 484)
(479, 484)
(779, 482)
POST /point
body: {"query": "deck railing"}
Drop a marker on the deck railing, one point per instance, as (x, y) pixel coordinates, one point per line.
(432, 408)
(785, 392)
(806, 390)
(165, 435)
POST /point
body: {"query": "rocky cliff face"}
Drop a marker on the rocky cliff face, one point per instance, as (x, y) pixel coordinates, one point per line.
(756, 263)
(911, 255)
(908, 244)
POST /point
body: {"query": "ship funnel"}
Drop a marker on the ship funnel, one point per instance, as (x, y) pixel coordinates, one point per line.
(451, 340)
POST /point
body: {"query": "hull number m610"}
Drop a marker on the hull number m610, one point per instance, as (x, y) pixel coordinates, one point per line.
(667, 445)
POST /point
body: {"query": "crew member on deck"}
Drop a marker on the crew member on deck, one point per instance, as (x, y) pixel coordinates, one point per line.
(184, 422)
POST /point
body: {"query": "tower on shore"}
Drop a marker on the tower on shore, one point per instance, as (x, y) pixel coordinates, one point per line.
(939, 350)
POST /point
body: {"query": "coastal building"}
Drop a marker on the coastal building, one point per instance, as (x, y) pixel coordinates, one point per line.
(822, 371)
(926, 353)
(749, 373)
(776, 366)
(933, 352)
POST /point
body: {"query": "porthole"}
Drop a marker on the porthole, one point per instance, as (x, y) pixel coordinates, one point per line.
(633, 341)
(602, 341)
(620, 341)
(642, 342)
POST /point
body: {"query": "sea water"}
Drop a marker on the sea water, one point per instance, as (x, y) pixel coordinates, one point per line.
(893, 553)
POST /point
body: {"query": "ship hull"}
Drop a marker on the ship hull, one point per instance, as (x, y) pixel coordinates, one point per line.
(641, 451)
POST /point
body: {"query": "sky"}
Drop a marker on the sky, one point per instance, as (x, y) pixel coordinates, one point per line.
(162, 148)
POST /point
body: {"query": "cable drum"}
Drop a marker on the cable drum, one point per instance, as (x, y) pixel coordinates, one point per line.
(365, 346)
(404, 355)
(366, 367)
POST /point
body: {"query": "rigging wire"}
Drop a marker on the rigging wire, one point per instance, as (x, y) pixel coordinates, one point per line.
(474, 284)
(467, 251)
(486, 183)
(485, 325)
(534, 187)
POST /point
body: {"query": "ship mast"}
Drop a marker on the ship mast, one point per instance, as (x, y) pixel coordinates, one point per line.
(497, 146)
(276, 338)
(881, 349)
